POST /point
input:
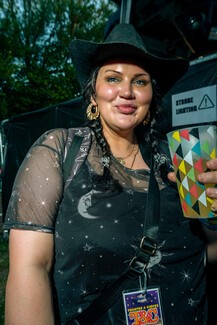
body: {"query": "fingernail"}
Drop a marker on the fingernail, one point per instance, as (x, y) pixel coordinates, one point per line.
(201, 177)
(211, 192)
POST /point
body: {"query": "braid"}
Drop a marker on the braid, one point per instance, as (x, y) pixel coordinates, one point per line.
(106, 181)
(96, 126)
(150, 134)
(159, 147)
(156, 112)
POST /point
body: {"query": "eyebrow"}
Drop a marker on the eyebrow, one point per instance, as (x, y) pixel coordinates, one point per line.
(136, 75)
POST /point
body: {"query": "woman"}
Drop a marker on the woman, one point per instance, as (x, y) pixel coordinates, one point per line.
(83, 231)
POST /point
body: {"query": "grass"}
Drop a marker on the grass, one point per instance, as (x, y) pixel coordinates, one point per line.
(4, 264)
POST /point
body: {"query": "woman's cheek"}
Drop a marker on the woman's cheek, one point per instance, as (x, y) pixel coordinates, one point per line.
(110, 92)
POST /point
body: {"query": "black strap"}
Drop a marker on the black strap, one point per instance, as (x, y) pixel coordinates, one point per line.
(152, 213)
(106, 300)
(147, 249)
(113, 292)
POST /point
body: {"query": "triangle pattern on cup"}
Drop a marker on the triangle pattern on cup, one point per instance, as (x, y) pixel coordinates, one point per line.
(195, 133)
(202, 199)
(187, 147)
(185, 134)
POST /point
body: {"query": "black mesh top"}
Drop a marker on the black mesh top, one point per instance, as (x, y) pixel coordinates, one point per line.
(97, 232)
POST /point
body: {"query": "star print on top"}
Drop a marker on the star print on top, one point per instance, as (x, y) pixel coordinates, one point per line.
(95, 238)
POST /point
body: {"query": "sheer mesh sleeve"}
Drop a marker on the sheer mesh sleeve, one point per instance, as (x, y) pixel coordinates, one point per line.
(38, 186)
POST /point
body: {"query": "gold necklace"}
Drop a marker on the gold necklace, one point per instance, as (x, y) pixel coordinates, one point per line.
(134, 158)
(122, 159)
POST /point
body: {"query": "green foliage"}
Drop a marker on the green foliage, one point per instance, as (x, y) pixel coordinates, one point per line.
(35, 66)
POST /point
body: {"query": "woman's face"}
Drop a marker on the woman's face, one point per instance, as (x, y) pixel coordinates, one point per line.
(123, 95)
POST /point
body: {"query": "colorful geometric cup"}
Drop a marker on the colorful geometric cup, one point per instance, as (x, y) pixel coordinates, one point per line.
(190, 148)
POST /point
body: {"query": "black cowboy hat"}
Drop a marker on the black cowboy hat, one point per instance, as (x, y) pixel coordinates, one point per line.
(124, 42)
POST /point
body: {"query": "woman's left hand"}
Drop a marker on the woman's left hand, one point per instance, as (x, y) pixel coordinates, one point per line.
(210, 177)
(206, 178)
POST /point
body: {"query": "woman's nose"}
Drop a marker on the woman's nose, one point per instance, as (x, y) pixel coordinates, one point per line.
(126, 90)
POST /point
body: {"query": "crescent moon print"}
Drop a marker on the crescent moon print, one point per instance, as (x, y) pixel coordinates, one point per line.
(85, 203)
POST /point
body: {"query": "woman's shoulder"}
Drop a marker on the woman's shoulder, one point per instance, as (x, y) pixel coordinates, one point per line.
(52, 135)
(60, 136)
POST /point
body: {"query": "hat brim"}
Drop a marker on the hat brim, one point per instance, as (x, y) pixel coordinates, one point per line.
(86, 55)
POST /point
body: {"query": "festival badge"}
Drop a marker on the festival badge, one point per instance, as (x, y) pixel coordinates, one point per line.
(143, 307)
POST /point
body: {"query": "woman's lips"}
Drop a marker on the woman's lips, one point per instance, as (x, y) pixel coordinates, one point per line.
(126, 109)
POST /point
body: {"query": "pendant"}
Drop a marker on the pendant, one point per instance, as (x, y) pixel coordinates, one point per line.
(121, 160)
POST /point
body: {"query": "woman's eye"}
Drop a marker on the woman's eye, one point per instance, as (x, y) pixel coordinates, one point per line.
(141, 82)
(112, 79)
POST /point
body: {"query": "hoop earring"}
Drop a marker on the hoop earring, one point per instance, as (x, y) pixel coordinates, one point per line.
(92, 112)
(147, 118)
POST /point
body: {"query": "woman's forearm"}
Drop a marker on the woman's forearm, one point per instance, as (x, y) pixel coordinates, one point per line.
(29, 297)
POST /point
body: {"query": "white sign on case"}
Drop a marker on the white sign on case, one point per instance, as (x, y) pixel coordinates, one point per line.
(194, 106)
